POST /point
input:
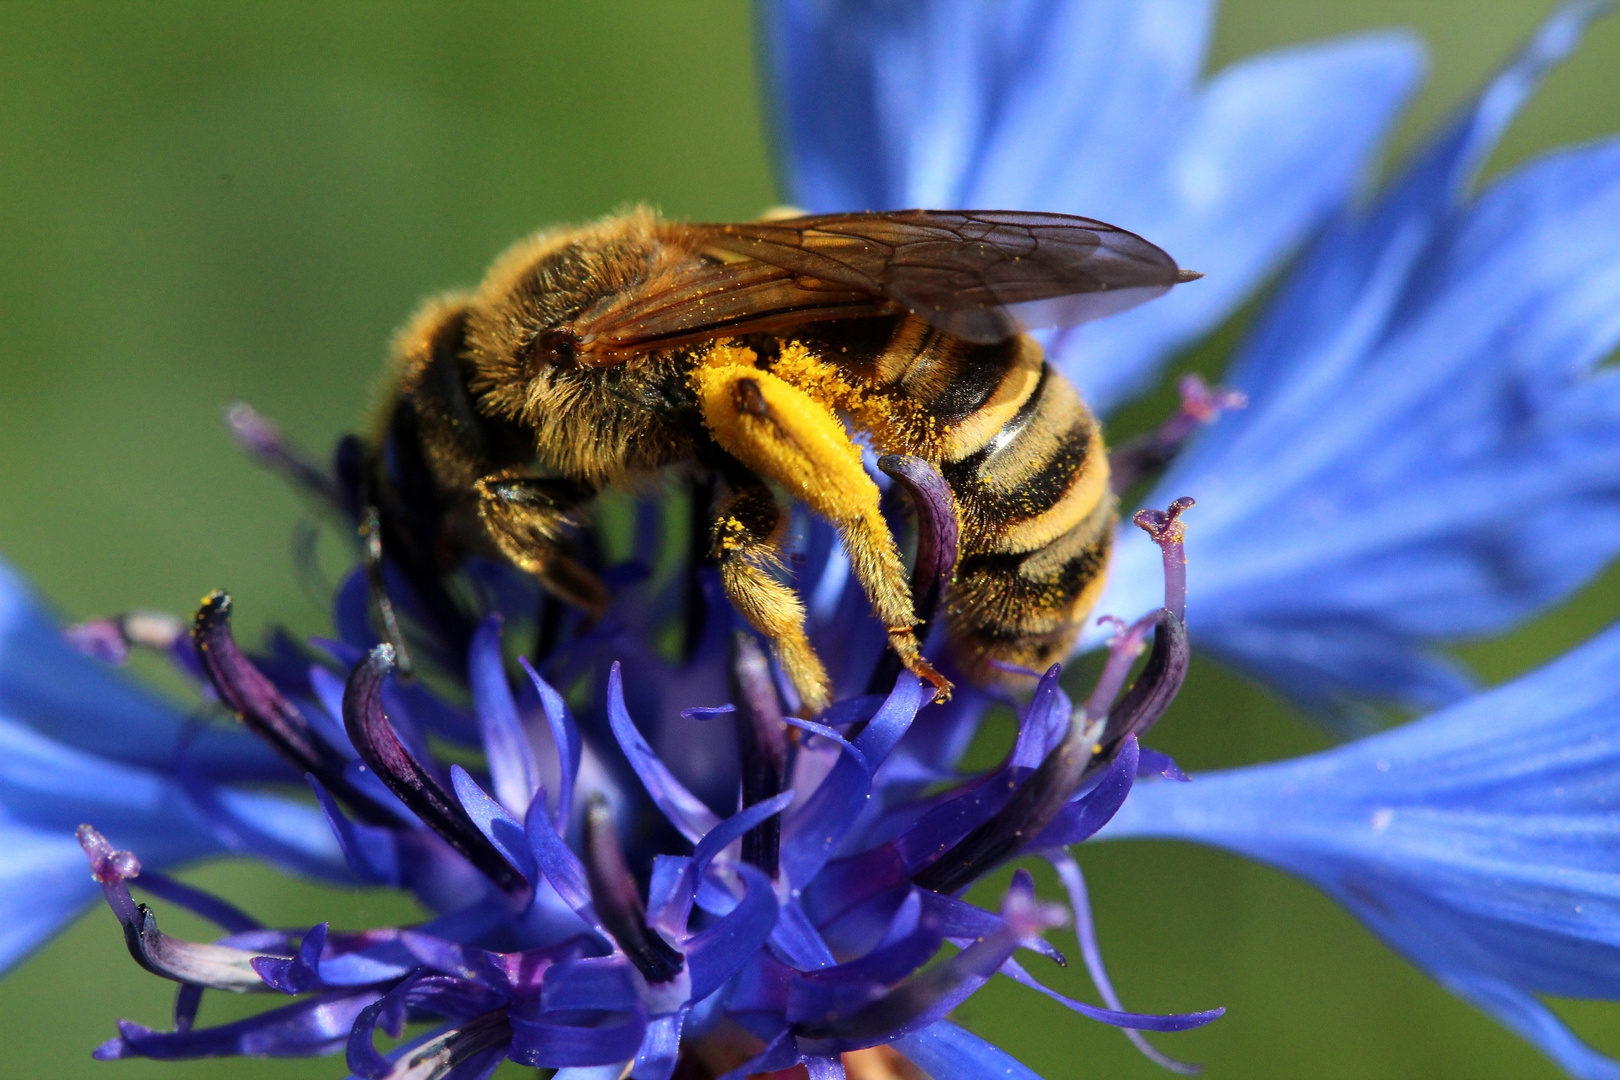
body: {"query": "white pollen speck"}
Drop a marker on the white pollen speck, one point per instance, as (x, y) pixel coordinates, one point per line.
(1381, 765)
(1381, 818)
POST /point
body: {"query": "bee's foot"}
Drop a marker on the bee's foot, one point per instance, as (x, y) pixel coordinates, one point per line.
(904, 642)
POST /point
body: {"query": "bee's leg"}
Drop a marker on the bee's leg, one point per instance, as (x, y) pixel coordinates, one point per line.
(785, 435)
(528, 517)
(744, 530)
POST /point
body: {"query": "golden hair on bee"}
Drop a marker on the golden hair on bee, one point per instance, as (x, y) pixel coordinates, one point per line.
(610, 354)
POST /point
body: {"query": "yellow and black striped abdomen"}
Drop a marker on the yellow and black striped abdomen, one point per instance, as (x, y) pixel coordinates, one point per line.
(1026, 462)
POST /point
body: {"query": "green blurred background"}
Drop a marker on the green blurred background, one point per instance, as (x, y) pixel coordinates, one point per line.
(204, 202)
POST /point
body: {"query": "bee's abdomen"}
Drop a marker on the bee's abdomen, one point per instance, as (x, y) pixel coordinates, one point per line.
(1026, 462)
(1025, 608)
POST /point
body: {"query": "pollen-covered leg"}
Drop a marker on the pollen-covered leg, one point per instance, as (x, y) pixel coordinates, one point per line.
(744, 531)
(785, 435)
(527, 517)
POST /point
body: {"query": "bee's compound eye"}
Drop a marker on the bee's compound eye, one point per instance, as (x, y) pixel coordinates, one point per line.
(554, 347)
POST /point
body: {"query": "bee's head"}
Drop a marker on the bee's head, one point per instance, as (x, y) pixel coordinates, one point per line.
(528, 311)
(531, 360)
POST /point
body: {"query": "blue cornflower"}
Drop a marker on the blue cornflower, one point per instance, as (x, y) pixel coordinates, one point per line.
(1426, 417)
(797, 930)
(578, 931)
(1483, 842)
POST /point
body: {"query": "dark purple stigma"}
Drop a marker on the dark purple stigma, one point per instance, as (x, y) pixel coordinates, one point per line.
(762, 746)
(938, 536)
(617, 899)
(263, 709)
(170, 958)
(1147, 455)
(374, 737)
(1168, 531)
(1032, 808)
(1095, 736)
(937, 531)
(263, 442)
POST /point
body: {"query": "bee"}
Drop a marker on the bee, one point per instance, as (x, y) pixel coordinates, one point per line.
(604, 355)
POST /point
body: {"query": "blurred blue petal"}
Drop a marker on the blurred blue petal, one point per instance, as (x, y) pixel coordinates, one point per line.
(49, 686)
(947, 1052)
(1431, 450)
(46, 791)
(1092, 108)
(44, 884)
(80, 743)
(1483, 842)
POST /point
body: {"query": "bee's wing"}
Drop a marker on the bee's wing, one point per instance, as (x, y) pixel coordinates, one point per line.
(980, 274)
(717, 299)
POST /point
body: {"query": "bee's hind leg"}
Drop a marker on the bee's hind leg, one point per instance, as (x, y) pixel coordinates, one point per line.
(786, 436)
(744, 530)
(528, 518)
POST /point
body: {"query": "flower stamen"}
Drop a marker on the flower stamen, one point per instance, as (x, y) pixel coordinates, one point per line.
(1094, 737)
(938, 537)
(762, 747)
(374, 737)
(263, 441)
(1147, 455)
(264, 711)
(617, 899)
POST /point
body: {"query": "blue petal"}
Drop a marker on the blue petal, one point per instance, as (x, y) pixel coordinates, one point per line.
(49, 785)
(888, 106)
(1131, 1021)
(62, 694)
(1044, 723)
(47, 789)
(543, 1043)
(291, 835)
(684, 810)
(660, 1048)
(370, 851)
(1480, 841)
(496, 823)
(590, 1072)
(812, 832)
(1430, 451)
(959, 920)
(1080, 819)
(595, 982)
(947, 1052)
(891, 721)
(560, 866)
(1269, 148)
(720, 950)
(566, 737)
(675, 898)
(1092, 108)
(43, 888)
(317, 1025)
(507, 749)
(798, 940)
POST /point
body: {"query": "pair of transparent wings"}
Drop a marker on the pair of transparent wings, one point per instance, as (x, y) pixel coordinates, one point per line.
(982, 275)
